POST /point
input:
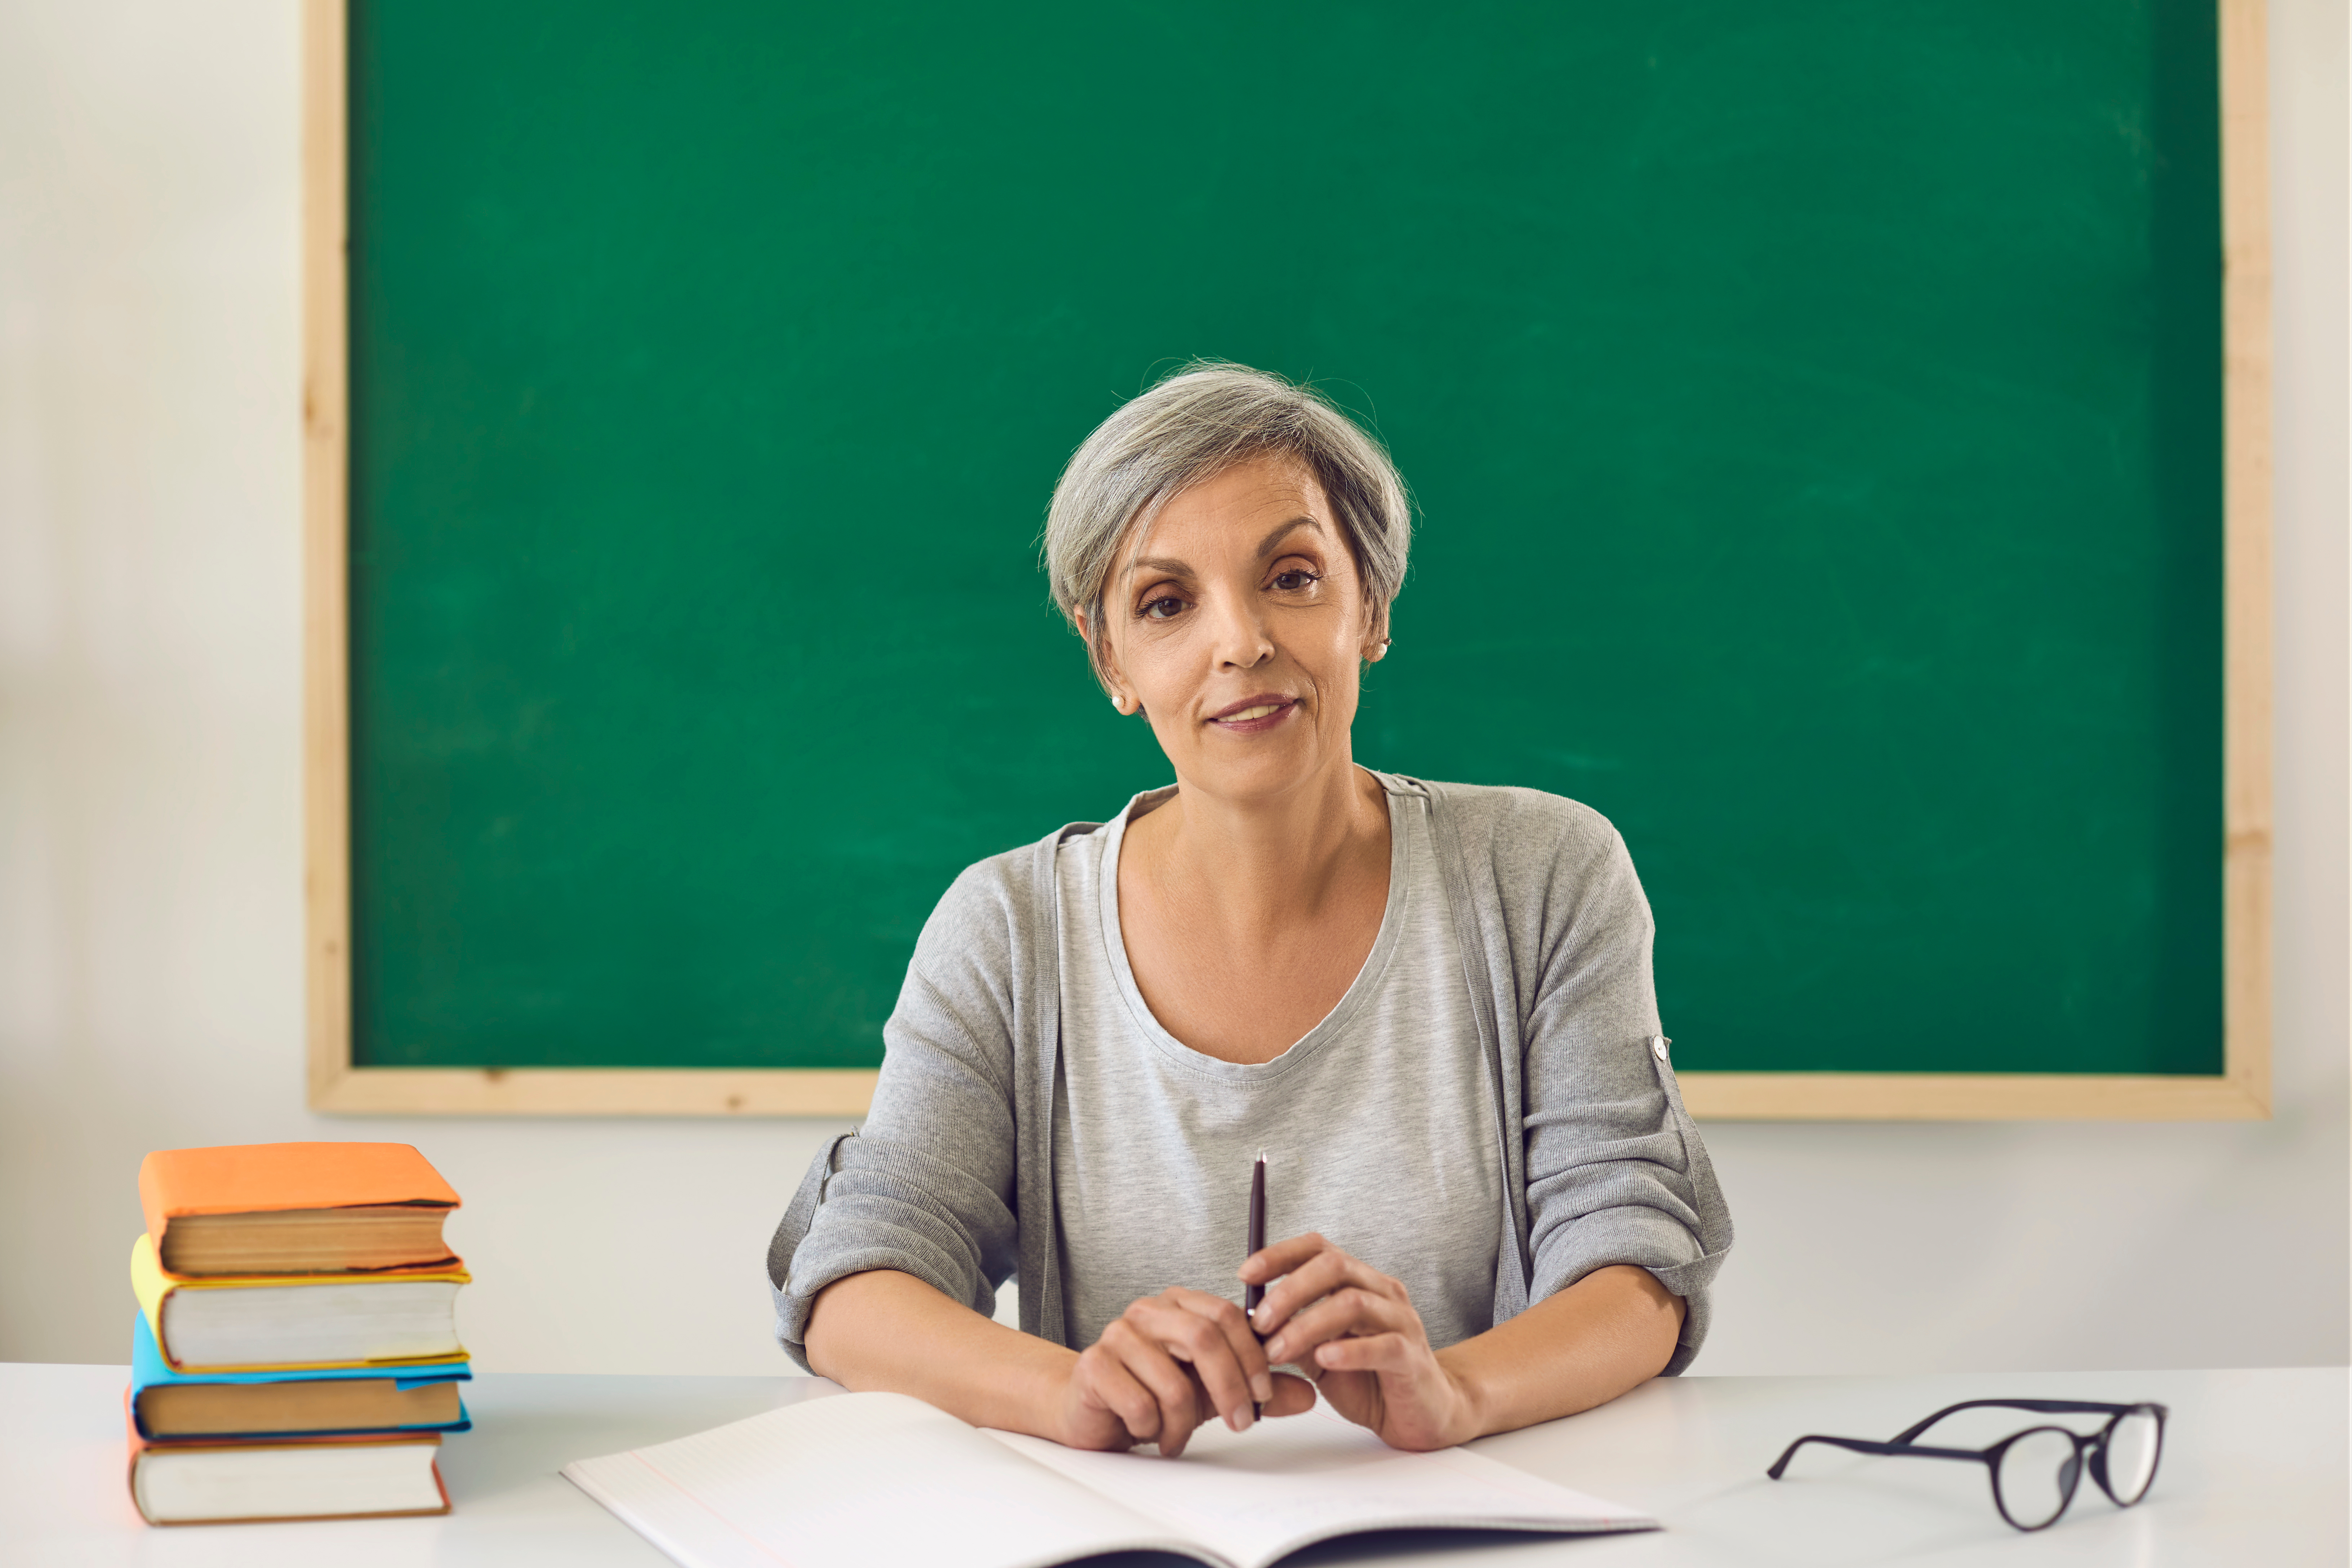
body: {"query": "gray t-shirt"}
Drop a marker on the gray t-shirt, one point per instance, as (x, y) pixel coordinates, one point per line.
(952, 1177)
(1378, 1124)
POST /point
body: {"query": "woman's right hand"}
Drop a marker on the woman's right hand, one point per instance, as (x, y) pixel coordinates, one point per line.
(1165, 1365)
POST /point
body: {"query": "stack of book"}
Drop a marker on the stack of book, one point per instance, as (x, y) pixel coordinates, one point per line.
(296, 1353)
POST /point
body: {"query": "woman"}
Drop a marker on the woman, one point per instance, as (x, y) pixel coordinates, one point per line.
(1429, 1004)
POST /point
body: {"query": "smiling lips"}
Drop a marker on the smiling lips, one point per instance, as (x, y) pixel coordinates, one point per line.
(1254, 713)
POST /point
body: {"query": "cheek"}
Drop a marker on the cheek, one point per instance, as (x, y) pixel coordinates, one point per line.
(1340, 688)
(1336, 656)
(1155, 659)
(1163, 670)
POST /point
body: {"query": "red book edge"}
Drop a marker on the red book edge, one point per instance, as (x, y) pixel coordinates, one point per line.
(432, 1269)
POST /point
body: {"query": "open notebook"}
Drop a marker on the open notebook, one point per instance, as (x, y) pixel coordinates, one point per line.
(858, 1481)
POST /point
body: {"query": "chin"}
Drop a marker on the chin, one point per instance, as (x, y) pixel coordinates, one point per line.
(1268, 773)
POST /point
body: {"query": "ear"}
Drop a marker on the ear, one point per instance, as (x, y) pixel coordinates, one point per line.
(1105, 664)
(1376, 637)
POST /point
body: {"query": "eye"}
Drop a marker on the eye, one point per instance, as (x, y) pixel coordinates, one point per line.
(1297, 579)
(1160, 609)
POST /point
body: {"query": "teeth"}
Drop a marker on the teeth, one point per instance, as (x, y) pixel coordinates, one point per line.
(1248, 713)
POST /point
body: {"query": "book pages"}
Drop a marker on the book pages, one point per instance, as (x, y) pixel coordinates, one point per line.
(1255, 1496)
(361, 1320)
(174, 1485)
(854, 1480)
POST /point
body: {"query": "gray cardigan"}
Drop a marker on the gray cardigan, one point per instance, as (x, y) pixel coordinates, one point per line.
(950, 1178)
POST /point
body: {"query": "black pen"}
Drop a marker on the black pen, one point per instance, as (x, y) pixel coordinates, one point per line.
(1254, 1294)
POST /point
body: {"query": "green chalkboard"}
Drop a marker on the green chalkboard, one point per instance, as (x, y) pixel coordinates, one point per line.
(1813, 410)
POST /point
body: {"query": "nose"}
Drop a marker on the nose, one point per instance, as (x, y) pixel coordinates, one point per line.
(1239, 637)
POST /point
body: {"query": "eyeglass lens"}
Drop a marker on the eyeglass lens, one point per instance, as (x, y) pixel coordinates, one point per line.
(2036, 1477)
(2131, 1456)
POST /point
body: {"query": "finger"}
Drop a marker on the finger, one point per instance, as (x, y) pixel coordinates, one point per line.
(1369, 1352)
(1170, 1385)
(1192, 1338)
(1351, 1310)
(1320, 1276)
(1274, 1261)
(1106, 1383)
(1233, 1326)
(1293, 1395)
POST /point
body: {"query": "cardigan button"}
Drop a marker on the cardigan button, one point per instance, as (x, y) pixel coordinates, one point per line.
(1658, 1044)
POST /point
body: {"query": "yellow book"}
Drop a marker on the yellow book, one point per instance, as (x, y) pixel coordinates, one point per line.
(282, 1323)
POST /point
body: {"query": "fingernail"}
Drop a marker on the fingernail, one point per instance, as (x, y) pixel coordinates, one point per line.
(1234, 1420)
(1244, 1418)
(1262, 1387)
(1274, 1349)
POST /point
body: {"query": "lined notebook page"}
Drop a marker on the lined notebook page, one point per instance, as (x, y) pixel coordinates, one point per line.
(1255, 1496)
(852, 1481)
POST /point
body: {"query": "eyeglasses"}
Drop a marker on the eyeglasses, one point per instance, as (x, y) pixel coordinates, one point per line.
(2034, 1473)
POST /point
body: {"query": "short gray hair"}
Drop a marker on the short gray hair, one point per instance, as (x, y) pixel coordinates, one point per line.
(1202, 420)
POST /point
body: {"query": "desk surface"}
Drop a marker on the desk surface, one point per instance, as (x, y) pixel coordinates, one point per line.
(2254, 1471)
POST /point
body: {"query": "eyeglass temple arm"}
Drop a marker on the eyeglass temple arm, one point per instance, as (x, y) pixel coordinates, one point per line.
(2039, 1406)
(1863, 1446)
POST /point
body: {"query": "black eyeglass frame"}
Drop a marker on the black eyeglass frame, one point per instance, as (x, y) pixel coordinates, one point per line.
(2092, 1444)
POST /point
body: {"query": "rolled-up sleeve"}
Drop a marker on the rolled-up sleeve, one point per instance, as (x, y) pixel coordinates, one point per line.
(926, 1185)
(1616, 1173)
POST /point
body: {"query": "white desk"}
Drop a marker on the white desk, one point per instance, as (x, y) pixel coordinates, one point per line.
(2254, 1472)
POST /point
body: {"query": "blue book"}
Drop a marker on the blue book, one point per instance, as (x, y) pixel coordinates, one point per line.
(169, 1404)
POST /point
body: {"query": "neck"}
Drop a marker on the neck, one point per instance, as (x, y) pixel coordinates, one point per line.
(1265, 864)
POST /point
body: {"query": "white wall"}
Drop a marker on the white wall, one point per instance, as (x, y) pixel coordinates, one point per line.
(151, 986)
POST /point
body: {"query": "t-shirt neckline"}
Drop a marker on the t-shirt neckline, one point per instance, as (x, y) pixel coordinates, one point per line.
(1326, 1029)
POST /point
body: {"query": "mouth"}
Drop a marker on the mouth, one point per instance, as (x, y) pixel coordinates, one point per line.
(1252, 714)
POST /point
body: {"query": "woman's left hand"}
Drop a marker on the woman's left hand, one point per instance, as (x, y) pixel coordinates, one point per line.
(1353, 1330)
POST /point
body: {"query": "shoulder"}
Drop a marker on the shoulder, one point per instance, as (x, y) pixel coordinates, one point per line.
(1542, 865)
(983, 969)
(996, 907)
(1549, 878)
(1524, 833)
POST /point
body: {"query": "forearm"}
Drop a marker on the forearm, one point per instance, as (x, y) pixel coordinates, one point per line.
(886, 1330)
(1612, 1329)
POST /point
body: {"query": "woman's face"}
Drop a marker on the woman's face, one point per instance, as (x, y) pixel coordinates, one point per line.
(1237, 621)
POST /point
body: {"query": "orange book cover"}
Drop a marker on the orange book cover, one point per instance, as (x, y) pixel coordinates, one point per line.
(253, 1178)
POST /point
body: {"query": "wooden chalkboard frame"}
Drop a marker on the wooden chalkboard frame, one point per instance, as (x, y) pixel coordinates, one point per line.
(2241, 1091)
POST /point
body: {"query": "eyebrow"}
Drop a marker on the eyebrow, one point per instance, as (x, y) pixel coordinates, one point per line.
(1280, 531)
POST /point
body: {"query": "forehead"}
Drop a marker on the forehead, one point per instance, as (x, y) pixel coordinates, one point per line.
(1237, 504)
